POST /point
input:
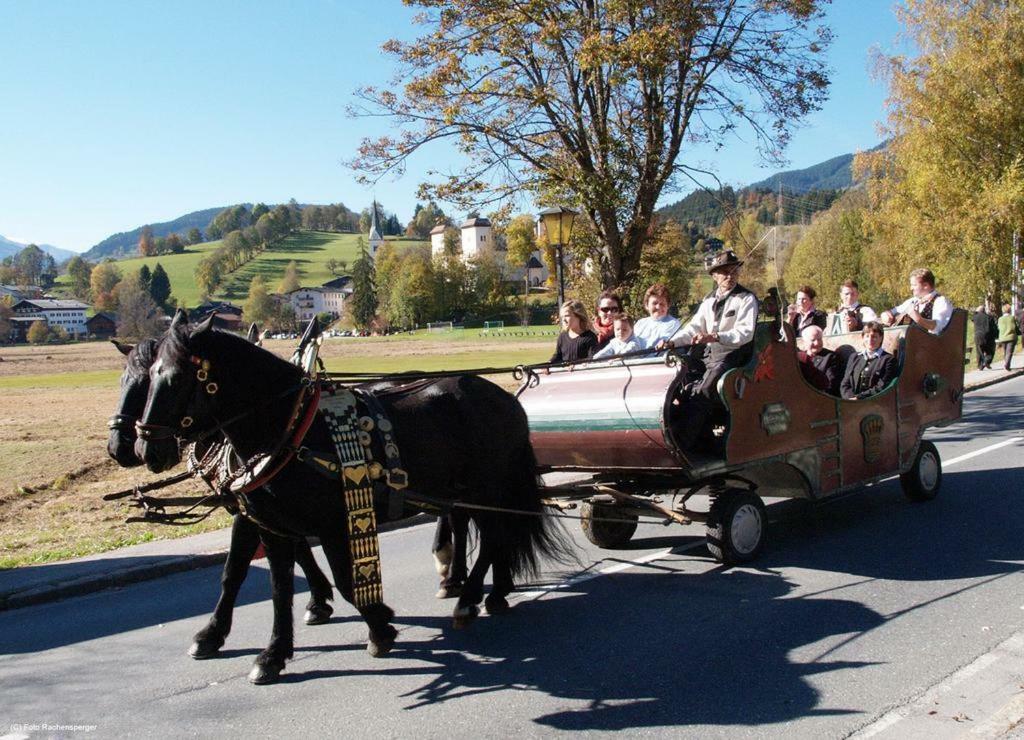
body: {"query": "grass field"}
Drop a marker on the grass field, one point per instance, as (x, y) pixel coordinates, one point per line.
(309, 249)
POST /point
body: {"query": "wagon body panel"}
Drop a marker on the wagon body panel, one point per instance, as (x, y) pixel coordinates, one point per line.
(601, 417)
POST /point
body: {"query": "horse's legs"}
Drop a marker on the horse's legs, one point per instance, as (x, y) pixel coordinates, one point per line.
(473, 589)
(377, 616)
(281, 557)
(455, 576)
(318, 610)
(442, 547)
(496, 603)
(245, 538)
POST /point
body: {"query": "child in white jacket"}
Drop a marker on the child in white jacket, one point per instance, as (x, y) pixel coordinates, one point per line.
(623, 341)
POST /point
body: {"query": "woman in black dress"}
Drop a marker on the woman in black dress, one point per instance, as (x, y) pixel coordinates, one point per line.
(577, 342)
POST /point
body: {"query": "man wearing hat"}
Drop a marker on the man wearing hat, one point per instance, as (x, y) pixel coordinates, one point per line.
(723, 328)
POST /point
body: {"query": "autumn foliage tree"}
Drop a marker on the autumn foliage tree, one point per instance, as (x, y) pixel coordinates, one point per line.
(593, 104)
(948, 191)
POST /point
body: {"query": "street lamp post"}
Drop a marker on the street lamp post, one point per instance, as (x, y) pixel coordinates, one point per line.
(558, 223)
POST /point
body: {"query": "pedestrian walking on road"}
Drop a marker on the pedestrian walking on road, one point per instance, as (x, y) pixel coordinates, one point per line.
(984, 337)
(1009, 330)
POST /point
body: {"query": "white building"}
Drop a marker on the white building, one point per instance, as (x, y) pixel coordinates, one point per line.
(437, 240)
(68, 315)
(477, 238)
(329, 298)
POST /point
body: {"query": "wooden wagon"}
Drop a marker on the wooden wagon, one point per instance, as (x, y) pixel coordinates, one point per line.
(616, 421)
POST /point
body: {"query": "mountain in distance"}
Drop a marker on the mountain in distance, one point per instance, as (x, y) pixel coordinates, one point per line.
(9, 247)
(126, 243)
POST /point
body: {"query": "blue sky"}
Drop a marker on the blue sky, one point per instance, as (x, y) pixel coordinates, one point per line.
(118, 114)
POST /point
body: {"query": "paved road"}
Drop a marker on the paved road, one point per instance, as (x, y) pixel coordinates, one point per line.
(856, 608)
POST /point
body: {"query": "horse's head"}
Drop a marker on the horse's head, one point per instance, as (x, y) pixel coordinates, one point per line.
(182, 396)
(134, 389)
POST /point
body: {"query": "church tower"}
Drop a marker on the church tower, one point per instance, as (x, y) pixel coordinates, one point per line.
(375, 240)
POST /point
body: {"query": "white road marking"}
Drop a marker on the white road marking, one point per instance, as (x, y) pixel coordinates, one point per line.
(982, 451)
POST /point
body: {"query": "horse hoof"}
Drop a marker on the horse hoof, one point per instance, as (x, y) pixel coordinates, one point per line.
(464, 616)
(318, 614)
(261, 675)
(449, 592)
(380, 648)
(497, 605)
(203, 649)
(443, 560)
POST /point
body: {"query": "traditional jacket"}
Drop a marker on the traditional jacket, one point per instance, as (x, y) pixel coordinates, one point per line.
(934, 306)
(867, 374)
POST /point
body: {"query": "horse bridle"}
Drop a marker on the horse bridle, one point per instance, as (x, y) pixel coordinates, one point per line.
(157, 432)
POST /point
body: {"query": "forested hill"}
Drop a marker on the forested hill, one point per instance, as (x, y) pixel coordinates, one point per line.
(127, 242)
(832, 174)
(804, 191)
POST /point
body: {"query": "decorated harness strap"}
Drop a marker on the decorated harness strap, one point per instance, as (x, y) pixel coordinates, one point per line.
(341, 415)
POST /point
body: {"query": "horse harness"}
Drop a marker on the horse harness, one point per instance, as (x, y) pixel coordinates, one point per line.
(365, 460)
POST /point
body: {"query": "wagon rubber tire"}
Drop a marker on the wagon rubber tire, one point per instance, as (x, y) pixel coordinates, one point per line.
(924, 479)
(736, 527)
(603, 533)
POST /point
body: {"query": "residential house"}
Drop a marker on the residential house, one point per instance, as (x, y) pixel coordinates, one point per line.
(329, 298)
(101, 326)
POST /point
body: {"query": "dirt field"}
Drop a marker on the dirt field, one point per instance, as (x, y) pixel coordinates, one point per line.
(54, 406)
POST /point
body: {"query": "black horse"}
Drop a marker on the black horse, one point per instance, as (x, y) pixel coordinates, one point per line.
(462, 439)
(245, 534)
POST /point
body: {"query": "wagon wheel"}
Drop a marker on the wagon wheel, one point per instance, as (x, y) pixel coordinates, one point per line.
(923, 480)
(607, 533)
(736, 527)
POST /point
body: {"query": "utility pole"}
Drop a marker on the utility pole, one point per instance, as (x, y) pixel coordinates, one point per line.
(1015, 283)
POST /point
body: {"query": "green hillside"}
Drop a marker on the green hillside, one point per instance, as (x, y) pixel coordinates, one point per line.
(310, 250)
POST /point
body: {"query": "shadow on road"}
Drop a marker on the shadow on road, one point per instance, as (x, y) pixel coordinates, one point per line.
(675, 648)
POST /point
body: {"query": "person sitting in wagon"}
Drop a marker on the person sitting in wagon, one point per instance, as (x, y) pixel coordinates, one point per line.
(724, 324)
(803, 313)
(609, 305)
(851, 315)
(820, 367)
(576, 342)
(927, 308)
(659, 325)
(624, 340)
(870, 370)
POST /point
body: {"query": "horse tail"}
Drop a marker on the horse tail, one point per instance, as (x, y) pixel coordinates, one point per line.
(531, 536)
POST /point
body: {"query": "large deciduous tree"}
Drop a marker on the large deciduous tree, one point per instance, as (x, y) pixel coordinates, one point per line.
(102, 281)
(138, 316)
(593, 103)
(79, 272)
(948, 191)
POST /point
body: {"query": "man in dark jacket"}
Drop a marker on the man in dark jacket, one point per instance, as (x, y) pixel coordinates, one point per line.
(985, 331)
(819, 366)
(869, 371)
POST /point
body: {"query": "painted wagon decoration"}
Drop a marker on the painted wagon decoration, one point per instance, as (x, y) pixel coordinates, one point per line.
(618, 422)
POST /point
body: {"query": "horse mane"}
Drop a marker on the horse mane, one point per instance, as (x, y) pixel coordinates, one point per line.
(141, 357)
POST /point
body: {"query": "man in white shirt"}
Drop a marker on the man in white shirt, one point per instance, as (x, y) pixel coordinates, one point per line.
(927, 308)
(724, 324)
(852, 314)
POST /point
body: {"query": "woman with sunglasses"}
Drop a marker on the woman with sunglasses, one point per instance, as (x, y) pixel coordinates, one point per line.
(608, 306)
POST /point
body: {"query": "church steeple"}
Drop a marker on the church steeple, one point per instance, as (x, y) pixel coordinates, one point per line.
(375, 240)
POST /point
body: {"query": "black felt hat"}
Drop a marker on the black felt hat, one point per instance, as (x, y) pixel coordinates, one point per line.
(726, 258)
